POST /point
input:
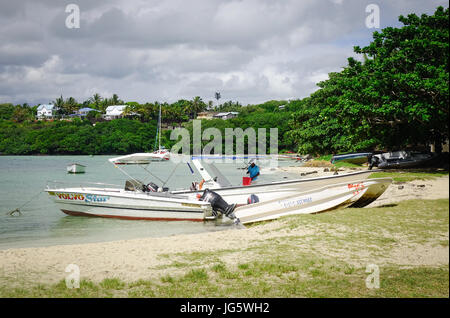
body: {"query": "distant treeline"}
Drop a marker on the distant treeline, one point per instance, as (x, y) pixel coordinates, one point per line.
(118, 136)
(121, 136)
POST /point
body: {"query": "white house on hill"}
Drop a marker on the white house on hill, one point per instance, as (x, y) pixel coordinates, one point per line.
(226, 115)
(114, 111)
(46, 111)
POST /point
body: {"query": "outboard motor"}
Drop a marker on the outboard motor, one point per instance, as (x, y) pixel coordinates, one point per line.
(374, 161)
(218, 204)
(252, 199)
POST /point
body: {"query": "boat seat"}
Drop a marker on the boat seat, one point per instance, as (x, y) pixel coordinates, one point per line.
(152, 187)
(134, 185)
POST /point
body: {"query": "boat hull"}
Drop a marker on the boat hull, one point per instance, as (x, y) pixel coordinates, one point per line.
(403, 160)
(275, 190)
(141, 158)
(355, 158)
(131, 214)
(357, 194)
(128, 205)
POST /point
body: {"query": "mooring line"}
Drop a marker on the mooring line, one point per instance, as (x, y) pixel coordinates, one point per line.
(17, 210)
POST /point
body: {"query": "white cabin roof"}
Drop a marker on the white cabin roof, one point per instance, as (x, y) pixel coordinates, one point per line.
(225, 114)
(115, 109)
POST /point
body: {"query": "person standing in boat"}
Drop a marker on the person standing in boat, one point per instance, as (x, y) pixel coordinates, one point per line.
(253, 170)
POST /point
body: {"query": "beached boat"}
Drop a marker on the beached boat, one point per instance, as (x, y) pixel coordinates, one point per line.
(355, 157)
(402, 159)
(76, 168)
(341, 195)
(151, 202)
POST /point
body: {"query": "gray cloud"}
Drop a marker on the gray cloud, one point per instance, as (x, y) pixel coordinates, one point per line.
(249, 50)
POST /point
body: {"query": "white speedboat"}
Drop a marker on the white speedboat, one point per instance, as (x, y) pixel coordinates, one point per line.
(76, 168)
(252, 203)
(161, 154)
(340, 195)
(130, 203)
(143, 158)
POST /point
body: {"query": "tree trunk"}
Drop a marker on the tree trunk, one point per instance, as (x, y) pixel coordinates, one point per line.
(438, 144)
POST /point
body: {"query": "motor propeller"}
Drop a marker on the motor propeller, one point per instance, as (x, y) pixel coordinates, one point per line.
(218, 204)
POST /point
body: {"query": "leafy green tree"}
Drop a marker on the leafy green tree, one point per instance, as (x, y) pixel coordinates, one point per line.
(115, 100)
(59, 104)
(21, 113)
(396, 97)
(96, 100)
(409, 87)
(70, 105)
(6, 111)
(195, 106)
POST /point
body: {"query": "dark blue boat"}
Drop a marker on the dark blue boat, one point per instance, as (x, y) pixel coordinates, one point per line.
(354, 157)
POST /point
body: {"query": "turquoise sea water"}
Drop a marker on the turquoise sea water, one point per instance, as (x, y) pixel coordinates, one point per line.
(42, 223)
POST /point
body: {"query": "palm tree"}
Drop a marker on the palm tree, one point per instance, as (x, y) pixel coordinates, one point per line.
(59, 104)
(217, 95)
(165, 112)
(188, 108)
(70, 105)
(197, 105)
(115, 100)
(96, 100)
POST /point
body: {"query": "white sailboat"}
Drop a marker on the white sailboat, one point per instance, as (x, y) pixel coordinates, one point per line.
(252, 203)
(146, 157)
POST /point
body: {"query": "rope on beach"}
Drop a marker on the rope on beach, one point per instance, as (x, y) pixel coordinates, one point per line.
(17, 210)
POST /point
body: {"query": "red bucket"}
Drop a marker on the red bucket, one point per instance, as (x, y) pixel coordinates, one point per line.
(246, 181)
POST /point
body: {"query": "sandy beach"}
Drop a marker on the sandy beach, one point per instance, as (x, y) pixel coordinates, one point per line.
(131, 260)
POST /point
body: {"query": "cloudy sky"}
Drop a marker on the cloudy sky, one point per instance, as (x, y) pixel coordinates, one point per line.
(249, 50)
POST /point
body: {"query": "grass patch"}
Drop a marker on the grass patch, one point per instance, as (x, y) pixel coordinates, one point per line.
(415, 220)
(325, 161)
(413, 282)
(344, 164)
(112, 283)
(324, 158)
(196, 275)
(410, 175)
(270, 278)
(329, 261)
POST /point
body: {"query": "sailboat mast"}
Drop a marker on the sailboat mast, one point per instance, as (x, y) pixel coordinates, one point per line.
(159, 130)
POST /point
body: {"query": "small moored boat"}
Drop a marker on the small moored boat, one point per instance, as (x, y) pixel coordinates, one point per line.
(76, 168)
